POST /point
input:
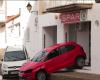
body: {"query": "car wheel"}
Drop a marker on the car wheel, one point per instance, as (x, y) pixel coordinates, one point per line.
(41, 75)
(3, 77)
(80, 62)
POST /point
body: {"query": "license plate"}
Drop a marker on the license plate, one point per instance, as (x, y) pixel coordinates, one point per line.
(15, 72)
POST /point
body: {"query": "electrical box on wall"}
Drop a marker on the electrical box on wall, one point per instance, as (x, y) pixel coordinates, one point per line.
(83, 15)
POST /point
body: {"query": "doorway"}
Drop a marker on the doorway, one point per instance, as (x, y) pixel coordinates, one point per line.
(84, 39)
(49, 36)
(80, 33)
(72, 33)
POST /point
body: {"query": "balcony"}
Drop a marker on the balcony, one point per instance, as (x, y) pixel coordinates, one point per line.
(57, 3)
(69, 8)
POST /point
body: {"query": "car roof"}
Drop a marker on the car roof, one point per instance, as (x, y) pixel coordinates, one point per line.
(50, 48)
(10, 48)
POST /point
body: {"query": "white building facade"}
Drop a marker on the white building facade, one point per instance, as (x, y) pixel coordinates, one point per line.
(16, 22)
(2, 23)
(14, 18)
(84, 29)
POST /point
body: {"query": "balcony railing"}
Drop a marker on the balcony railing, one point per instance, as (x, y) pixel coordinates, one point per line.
(55, 3)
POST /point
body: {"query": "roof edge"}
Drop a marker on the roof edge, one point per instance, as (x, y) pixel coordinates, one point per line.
(70, 7)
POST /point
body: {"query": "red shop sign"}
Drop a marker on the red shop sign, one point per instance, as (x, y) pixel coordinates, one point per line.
(70, 17)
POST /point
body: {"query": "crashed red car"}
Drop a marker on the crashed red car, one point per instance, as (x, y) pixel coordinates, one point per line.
(51, 59)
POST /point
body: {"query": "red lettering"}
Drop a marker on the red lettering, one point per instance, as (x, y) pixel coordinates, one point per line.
(70, 17)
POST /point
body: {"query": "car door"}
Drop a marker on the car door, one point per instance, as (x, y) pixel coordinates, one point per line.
(66, 56)
(52, 62)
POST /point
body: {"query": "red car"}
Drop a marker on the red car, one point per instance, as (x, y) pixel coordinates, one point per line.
(51, 59)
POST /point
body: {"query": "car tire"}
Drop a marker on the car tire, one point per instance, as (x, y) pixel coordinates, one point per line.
(80, 62)
(41, 75)
(3, 77)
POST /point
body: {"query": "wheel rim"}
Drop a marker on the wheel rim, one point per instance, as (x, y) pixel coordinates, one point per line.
(80, 62)
(41, 76)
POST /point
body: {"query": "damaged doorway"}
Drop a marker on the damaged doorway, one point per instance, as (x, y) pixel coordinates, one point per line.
(49, 36)
(80, 33)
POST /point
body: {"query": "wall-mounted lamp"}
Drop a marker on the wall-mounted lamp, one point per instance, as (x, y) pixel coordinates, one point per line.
(29, 7)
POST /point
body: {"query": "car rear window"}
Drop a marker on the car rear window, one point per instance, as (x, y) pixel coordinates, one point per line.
(53, 54)
(67, 48)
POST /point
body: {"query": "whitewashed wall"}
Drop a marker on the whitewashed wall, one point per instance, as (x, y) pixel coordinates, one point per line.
(46, 20)
(60, 32)
(12, 33)
(94, 14)
(2, 20)
(33, 43)
(2, 10)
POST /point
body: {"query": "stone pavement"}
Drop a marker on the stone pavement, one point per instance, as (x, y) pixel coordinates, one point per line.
(74, 76)
(70, 75)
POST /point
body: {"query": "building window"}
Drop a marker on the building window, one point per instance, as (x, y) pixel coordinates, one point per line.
(17, 26)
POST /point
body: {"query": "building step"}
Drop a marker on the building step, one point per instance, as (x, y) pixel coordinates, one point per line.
(74, 76)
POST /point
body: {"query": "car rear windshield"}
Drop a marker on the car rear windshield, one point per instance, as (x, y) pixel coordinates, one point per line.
(14, 56)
